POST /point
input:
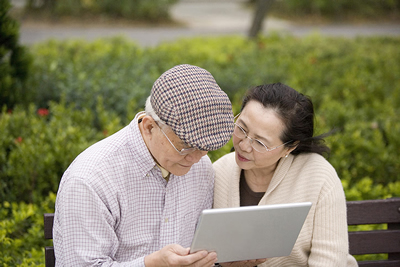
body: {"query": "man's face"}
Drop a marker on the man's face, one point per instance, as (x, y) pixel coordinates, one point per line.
(166, 155)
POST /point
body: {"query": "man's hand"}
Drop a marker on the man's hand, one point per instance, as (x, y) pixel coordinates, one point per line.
(249, 263)
(177, 256)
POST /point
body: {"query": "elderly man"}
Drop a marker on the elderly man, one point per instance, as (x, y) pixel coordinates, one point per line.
(133, 199)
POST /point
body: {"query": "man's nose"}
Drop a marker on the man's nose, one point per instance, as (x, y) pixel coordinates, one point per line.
(196, 155)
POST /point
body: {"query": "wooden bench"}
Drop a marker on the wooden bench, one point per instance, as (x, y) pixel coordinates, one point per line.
(380, 211)
(50, 259)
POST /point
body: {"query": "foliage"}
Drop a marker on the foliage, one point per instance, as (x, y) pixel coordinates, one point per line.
(155, 10)
(338, 9)
(37, 145)
(21, 232)
(85, 91)
(14, 59)
(353, 84)
(114, 69)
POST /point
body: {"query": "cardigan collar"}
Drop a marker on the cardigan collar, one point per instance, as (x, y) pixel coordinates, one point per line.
(279, 174)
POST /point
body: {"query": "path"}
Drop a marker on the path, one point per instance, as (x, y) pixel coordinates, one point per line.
(198, 18)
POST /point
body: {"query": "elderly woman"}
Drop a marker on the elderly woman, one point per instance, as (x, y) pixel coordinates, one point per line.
(278, 159)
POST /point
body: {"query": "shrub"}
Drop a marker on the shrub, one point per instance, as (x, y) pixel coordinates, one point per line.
(97, 87)
(14, 60)
(21, 232)
(114, 69)
(339, 9)
(353, 84)
(154, 11)
(39, 144)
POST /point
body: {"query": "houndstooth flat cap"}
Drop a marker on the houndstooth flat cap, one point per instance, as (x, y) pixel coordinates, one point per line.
(188, 99)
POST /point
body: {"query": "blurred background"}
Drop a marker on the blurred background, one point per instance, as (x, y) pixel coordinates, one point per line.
(152, 22)
(73, 72)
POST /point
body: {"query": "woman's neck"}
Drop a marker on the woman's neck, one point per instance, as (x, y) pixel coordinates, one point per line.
(259, 179)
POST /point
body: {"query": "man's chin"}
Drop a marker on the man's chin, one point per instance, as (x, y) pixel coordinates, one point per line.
(181, 170)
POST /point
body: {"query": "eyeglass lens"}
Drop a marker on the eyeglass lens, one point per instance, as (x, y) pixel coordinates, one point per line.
(257, 145)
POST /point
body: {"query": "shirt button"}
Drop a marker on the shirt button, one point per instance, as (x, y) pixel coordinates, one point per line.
(166, 220)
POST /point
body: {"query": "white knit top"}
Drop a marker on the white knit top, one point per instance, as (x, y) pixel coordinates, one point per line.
(323, 240)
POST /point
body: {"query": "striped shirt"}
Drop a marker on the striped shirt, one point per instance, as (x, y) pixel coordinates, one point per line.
(113, 206)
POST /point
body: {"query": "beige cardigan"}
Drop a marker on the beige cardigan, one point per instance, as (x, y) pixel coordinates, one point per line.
(323, 240)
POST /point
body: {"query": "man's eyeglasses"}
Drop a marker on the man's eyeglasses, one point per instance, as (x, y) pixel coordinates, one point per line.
(183, 151)
(256, 144)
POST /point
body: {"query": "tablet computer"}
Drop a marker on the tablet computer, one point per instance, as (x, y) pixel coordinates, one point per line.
(251, 232)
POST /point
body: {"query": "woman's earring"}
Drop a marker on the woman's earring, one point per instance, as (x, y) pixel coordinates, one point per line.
(286, 155)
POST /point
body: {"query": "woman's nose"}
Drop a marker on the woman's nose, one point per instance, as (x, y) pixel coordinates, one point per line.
(245, 144)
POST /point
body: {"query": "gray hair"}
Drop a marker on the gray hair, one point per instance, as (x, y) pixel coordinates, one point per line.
(150, 112)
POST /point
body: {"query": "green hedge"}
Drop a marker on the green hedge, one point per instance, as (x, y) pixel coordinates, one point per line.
(153, 11)
(37, 145)
(21, 232)
(114, 69)
(353, 72)
(85, 91)
(338, 9)
(353, 83)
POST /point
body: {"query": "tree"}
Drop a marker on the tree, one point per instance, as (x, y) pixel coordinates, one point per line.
(14, 60)
(261, 9)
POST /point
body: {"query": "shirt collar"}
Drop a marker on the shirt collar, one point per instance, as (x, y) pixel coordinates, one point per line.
(164, 172)
(140, 151)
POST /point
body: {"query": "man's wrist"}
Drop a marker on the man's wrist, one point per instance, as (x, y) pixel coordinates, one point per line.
(149, 260)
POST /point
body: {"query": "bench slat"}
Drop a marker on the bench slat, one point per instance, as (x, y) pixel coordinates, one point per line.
(373, 211)
(374, 242)
(50, 259)
(383, 263)
(48, 225)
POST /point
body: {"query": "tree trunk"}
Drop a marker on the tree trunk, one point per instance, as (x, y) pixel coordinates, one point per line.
(260, 12)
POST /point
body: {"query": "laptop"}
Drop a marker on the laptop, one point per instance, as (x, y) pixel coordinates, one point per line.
(251, 232)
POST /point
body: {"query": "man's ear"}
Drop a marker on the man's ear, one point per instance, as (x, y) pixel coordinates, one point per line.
(148, 125)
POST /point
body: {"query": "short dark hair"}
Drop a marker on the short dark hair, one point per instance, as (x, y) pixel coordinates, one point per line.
(296, 112)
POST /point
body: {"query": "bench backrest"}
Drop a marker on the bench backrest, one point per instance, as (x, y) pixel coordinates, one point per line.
(50, 259)
(380, 211)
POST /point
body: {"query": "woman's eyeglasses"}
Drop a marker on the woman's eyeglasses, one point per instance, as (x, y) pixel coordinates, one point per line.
(256, 144)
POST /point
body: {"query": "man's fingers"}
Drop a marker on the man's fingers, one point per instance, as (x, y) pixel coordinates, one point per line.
(181, 251)
(207, 261)
(193, 257)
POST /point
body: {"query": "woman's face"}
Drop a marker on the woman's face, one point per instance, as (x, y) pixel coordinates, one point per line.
(264, 125)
